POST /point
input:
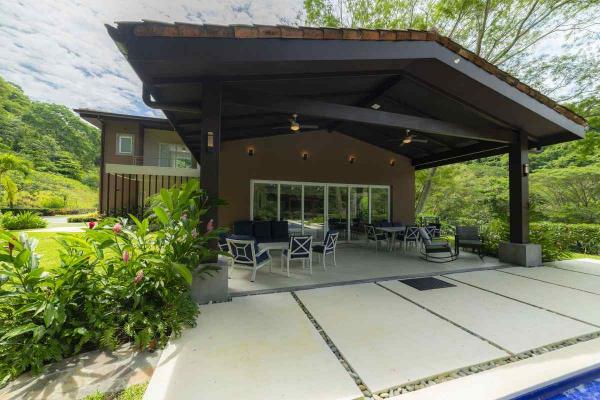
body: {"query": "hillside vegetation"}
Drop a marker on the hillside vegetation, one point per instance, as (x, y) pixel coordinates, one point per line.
(62, 149)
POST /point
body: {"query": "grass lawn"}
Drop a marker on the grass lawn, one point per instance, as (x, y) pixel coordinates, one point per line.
(48, 246)
(135, 392)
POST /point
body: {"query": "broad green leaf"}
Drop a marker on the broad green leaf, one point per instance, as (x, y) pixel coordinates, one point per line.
(30, 327)
(162, 216)
(183, 271)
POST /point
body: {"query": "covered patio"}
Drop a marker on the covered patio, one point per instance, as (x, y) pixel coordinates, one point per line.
(356, 263)
(326, 127)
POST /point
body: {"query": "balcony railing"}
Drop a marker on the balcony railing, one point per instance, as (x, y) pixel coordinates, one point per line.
(158, 162)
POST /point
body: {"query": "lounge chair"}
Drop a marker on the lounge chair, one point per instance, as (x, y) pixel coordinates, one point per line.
(438, 251)
(468, 237)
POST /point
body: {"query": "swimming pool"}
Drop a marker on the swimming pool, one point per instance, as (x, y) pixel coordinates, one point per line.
(585, 386)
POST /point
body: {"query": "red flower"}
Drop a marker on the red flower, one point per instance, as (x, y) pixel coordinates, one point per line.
(117, 228)
(210, 226)
(138, 277)
(91, 224)
(125, 256)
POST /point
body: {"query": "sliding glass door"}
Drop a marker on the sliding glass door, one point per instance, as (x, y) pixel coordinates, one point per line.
(314, 211)
(315, 208)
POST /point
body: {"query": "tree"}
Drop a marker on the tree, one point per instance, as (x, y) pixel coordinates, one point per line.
(11, 191)
(505, 32)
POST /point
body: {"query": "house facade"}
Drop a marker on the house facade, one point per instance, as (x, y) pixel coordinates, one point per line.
(139, 156)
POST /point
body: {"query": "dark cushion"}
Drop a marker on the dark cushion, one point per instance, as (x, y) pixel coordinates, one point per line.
(318, 248)
(262, 257)
(243, 228)
(285, 252)
(279, 231)
(470, 243)
(262, 231)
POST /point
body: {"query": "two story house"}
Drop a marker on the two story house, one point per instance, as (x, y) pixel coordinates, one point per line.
(139, 156)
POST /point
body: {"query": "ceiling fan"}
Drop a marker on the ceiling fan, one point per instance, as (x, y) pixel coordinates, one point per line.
(295, 126)
(410, 138)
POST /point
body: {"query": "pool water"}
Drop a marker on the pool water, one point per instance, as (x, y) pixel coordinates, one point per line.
(585, 386)
(583, 391)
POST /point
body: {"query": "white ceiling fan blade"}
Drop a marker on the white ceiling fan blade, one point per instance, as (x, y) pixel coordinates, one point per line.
(419, 140)
(309, 126)
(281, 127)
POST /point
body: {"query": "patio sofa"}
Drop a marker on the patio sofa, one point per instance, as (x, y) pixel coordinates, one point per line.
(263, 231)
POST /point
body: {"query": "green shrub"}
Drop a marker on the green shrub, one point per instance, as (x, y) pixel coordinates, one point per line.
(558, 240)
(118, 283)
(95, 216)
(51, 200)
(25, 220)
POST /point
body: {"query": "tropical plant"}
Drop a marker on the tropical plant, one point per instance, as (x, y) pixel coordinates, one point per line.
(11, 189)
(23, 220)
(120, 282)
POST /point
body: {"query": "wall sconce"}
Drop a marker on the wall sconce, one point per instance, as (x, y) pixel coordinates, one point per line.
(351, 159)
(525, 169)
(210, 141)
(305, 155)
(392, 162)
(250, 151)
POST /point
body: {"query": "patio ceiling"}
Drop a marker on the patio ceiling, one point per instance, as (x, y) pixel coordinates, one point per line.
(465, 107)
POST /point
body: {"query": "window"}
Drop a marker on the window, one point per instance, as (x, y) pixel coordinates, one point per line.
(124, 144)
(174, 155)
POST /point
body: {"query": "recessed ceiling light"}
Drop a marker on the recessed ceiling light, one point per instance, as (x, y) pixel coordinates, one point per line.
(457, 60)
(375, 106)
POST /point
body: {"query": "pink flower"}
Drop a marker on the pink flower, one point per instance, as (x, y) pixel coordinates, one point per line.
(210, 226)
(91, 224)
(117, 228)
(125, 256)
(194, 233)
(184, 217)
(138, 277)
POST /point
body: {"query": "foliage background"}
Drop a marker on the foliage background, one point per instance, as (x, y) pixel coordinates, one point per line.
(63, 150)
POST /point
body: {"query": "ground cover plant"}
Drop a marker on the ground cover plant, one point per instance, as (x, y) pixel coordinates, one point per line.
(116, 282)
(18, 221)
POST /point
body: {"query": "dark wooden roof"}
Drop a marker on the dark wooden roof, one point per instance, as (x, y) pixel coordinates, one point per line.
(268, 70)
(95, 116)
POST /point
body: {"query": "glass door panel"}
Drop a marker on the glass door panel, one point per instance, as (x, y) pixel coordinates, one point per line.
(314, 211)
(379, 205)
(265, 201)
(290, 203)
(359, 212)
(337, 201)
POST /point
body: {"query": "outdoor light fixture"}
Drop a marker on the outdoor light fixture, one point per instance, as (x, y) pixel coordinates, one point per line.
(525, 169)
(392, 162)
(305, 156)
(351, 159)
(210, 141)
(250, 151)
(375, 106)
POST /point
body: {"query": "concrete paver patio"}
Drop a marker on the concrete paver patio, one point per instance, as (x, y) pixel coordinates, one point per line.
(387, 338)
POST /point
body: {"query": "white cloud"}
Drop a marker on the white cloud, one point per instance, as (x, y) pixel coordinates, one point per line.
(58, 51)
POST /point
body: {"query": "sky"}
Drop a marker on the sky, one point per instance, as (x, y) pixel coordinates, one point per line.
(59, 51)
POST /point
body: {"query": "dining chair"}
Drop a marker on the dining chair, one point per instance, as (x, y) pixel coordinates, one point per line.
(300, 248)
(328, 247)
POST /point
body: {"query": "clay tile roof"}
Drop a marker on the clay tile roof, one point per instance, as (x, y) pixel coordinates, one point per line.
(152, 28)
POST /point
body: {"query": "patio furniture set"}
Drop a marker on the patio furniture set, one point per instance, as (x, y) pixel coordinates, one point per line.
(251, 243)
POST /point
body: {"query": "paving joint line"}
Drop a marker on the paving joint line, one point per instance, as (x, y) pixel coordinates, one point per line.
(550, 283)
(360, 384)
(570, 270)
(524, 302)
(447, 320)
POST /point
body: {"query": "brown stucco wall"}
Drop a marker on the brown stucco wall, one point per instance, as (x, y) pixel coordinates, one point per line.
(110, 151)
(280, 158)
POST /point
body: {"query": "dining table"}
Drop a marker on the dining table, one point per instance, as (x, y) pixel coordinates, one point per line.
(391, 233)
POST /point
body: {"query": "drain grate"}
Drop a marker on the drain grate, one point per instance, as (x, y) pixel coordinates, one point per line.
(426, 283)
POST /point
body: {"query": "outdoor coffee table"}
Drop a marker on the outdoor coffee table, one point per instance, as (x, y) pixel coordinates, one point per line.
(273, 245)
(391, 231)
